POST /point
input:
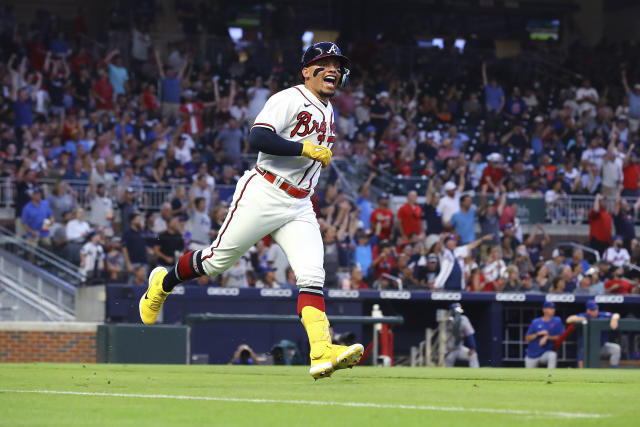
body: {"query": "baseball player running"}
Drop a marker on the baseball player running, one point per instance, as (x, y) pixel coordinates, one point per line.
(293, 133)
(459, 329)
(541, 334)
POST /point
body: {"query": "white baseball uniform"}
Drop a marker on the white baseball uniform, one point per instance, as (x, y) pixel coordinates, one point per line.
(260, 207)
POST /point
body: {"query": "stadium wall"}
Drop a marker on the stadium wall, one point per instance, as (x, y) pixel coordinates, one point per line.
(48, 342)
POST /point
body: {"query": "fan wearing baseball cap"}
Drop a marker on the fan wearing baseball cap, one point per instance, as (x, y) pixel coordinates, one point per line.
(541, 335)
(608, 349)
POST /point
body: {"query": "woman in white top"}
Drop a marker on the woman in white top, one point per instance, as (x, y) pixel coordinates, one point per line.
(495, 266)
(78, 229)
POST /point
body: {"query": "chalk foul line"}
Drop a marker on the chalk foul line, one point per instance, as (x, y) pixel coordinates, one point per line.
(328, 403)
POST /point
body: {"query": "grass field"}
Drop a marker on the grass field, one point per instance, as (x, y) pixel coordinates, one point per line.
(154, 395)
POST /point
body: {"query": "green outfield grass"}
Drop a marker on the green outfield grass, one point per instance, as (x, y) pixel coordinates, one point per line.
(156, 395)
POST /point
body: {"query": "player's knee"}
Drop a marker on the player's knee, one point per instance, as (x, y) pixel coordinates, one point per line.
(311, 278)
(615, 349)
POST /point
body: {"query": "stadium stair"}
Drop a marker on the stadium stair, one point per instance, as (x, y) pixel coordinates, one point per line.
(18, 303)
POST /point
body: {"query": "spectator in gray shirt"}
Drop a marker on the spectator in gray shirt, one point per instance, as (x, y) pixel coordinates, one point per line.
(489, 218)
(232, 141)
(556, 263)
(199, 224)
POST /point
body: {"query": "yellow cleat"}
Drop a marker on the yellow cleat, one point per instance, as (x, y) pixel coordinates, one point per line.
(335, 357)
(347, 357)
(326, 357)
(152, 300)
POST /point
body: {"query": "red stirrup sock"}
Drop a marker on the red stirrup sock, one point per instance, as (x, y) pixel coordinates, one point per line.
(312, 296)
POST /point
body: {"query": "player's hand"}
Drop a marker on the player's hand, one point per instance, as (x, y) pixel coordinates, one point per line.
(470, 353)
(614, 323)
(319, 153)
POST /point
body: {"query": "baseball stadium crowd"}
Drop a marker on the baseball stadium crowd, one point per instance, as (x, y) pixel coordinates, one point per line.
(84, 123)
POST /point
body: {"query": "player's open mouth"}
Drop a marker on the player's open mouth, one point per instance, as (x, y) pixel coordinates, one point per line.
(330, 81)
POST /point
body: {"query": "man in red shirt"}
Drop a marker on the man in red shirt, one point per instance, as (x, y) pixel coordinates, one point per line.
(599, 225)
(103, 92)
(410, 216)
(383, 261)
(631, 173)
(191, 112)
(493, 173)
(383, 215)
(148, 99)
(617, 284)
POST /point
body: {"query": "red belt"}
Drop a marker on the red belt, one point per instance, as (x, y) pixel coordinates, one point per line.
(285, 186)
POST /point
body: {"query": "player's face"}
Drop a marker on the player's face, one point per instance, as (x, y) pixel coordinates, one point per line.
(593, 313)
(322, 76)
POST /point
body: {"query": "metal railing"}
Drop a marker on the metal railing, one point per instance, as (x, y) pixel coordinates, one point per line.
(149, 196)
(575, 208)
(48, 287)
(587, 249)
(570, 209)
(46, 260)
(22, 304)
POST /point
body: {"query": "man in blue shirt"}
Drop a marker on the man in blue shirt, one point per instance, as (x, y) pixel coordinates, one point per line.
(170, 88)
(364, 203)
(37, 217)
(634, 102)
(363, 253)
(22, 100)
(494, 94)
(541, 335)
(118, 75)
(608, 349)
(464, 221)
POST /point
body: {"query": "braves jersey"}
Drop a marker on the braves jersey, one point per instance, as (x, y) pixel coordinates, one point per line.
(297, 115)
(193, 113)
(554, 326)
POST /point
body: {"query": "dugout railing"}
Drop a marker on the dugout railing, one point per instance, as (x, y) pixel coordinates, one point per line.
(591, 332)
(490, 313)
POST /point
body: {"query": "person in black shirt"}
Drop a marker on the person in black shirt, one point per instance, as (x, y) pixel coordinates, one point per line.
(82, 89)
(516, 138)
(432, 216)
(127, 205)
(135, 248)
(623, 219)
(170, 244)
(57, 82)
(381, 113)
(26, 180)
(577, 148)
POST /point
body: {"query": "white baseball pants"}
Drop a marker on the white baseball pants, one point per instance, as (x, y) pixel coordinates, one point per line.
(612, 351)
(461, 353)
(259, 208)
(549, 358)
